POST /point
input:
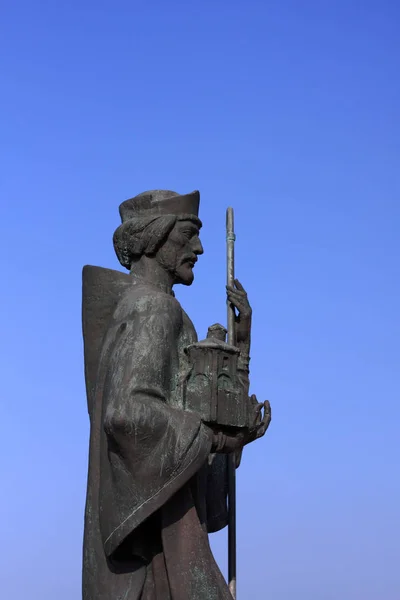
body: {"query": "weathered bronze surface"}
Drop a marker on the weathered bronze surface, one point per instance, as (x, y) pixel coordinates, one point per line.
(165, 411)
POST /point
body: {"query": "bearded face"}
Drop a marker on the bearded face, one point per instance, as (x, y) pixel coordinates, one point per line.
(179, 253)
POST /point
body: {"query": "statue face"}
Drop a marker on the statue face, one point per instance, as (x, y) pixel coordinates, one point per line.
(179, 253)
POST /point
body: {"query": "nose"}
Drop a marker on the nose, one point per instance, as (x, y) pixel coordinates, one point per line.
(197, 245)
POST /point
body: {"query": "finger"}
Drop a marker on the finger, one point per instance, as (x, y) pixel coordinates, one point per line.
(239, 285)
(230, 290)
(267, 408)
(257, 417)
(238, 290)
(257, 421)
(266, 420)
(237, 297)
(240, 308)
(253, 401)
(238, 302)
(237, 294)
(261, 431)
(258, 406)
(267, 414)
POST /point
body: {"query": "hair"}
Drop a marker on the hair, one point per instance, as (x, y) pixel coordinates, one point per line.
(142, 236)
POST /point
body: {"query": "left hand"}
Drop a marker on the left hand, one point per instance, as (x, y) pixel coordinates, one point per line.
(228, 442)
(262, 418)
(237, 296)
(259, 427)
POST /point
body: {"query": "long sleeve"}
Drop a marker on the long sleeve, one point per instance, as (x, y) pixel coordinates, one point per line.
(152, 449)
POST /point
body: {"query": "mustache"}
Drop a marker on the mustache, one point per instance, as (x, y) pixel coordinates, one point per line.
(192, 259)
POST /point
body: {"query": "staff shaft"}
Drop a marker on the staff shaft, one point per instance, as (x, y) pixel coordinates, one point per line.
(230, 277)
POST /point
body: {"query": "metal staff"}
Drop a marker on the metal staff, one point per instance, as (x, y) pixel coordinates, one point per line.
(230, 276)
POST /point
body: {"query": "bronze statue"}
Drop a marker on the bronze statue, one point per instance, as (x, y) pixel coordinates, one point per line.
(167, 413)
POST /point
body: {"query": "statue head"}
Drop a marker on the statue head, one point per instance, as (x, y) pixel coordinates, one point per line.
(164, 226)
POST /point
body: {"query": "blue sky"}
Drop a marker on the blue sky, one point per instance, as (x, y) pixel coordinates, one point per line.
(288, 111)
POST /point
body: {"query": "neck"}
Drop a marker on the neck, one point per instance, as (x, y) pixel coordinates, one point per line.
(150, 271)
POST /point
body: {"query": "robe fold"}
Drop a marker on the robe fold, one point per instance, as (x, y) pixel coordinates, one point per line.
(154, 489)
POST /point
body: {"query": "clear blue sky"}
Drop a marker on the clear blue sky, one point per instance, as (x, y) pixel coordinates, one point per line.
(288, 111)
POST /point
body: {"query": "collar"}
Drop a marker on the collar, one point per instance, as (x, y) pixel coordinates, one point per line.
(160, 286)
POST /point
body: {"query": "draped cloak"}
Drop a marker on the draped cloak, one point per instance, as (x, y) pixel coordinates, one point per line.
(154, 490)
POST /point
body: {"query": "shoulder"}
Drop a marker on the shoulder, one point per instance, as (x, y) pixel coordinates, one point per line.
(145, 301)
